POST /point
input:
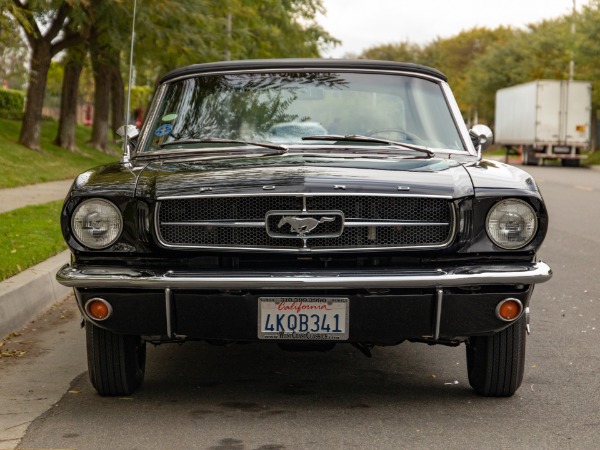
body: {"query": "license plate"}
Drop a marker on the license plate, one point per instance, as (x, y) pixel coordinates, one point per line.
(303, 318)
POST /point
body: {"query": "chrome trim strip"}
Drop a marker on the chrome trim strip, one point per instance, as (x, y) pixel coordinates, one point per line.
(218, 224)
(394, 224)
(472, 275)
(303, 194)
(438, 313)
(458, 120)
(168, 306)
(305, 250)
(346, 224)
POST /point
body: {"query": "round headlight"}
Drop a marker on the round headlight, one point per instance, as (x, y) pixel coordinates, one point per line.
(97, 223)
(511, 224)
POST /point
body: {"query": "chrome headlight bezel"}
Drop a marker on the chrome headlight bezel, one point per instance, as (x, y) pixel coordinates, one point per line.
(97, 223)
(511, 213)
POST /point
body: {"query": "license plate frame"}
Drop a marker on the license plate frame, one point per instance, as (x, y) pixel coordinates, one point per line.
(310, 318)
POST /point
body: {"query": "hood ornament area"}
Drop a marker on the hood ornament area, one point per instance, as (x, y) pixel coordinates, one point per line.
(304, 225)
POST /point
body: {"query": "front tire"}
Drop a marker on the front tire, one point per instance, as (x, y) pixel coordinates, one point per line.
(116, 362)
(496, 363)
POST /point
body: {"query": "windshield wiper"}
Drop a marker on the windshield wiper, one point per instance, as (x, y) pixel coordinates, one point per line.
(359, 138)
(282, 149)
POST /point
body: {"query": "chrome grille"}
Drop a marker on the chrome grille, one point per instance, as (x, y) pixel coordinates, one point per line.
(369, 222)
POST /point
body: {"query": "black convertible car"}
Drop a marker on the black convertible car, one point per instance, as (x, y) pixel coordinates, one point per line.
(308, 203)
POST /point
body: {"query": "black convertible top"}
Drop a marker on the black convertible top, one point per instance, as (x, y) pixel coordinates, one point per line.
(300, 64)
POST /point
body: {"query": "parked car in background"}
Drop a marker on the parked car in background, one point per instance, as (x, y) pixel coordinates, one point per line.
(307, 203)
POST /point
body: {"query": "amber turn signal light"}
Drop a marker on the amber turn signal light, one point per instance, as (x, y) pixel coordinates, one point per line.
(98, 309)
(509, 309)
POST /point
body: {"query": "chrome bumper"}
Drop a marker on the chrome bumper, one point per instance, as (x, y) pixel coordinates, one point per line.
(473, 275)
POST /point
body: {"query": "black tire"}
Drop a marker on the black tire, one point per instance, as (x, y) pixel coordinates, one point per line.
(116, 362)
(496, 363)
(529, 156)
(570, 162)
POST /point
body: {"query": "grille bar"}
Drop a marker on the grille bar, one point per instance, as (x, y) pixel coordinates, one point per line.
(252, 223)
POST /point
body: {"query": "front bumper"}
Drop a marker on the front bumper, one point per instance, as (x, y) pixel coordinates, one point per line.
(461, 276)
(385, 307)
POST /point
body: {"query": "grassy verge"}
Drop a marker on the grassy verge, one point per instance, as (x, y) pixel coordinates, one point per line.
(30, 235)
(593, 159)
(20, 166)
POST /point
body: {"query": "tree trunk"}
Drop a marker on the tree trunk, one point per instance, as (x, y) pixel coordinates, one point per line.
(67, 123)
(41, 56)
(99, 139)
(117, 98)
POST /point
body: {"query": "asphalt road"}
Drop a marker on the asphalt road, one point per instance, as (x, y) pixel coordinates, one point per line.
(411, 396)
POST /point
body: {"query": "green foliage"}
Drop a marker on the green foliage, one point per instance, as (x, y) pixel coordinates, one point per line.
(401, 52)
(480, 61)
(13, 54)
(197, 31)
(30, 235)
(20, 166)
(11, 103)
(141, 96)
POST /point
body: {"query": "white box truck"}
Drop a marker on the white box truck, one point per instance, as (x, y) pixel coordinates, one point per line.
(545, 119)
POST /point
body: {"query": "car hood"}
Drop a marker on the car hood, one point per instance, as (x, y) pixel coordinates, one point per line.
(301, 174)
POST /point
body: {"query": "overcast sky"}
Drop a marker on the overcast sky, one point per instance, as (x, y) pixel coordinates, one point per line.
(361, 24)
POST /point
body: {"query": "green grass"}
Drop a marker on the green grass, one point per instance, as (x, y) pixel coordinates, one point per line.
(20, 166)
(593, 159)
(30, 235)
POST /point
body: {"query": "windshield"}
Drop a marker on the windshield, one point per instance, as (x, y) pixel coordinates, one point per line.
(283, 108)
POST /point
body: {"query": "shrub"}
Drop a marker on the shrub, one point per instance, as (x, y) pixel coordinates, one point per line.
(11, 103)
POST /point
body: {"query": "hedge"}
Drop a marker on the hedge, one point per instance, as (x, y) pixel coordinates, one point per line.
(11, 103)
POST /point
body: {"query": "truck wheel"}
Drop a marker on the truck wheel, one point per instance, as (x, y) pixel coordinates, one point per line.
(570, 162)
(116, 362)
(496, 363)
(529, 158)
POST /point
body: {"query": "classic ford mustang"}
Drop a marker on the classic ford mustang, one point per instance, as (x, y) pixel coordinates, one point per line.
(308, 203)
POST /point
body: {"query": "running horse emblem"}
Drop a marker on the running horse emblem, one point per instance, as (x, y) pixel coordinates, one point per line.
(303, 225)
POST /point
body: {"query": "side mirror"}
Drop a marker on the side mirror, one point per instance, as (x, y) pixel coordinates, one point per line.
(481, 135)
(129, 133)
(130, 130)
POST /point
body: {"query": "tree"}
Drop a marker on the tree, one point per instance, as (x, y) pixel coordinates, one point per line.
(13, 54)
(73, 65)
(401, 52)
(541, 51)
(50, 27)
(587, 48)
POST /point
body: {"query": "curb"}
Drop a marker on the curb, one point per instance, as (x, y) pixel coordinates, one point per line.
(27, 294)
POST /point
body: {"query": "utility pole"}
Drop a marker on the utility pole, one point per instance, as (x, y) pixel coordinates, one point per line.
(572, 62)
(229, 28)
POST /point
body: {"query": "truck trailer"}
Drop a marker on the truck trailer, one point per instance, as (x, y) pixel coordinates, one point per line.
(545, 119)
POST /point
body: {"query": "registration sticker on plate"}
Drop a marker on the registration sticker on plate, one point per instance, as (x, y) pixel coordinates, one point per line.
(303, 318)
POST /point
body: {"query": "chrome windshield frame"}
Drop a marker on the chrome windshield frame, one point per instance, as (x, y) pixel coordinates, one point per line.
(462, 131)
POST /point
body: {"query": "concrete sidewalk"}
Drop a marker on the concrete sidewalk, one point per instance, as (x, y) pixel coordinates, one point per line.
(27, 294)
(34, 194)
